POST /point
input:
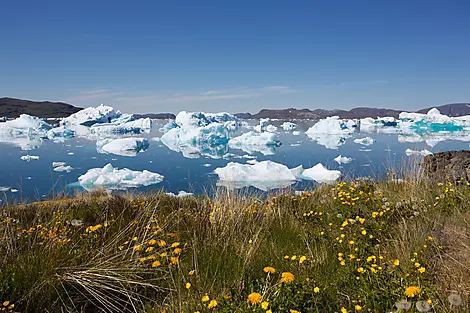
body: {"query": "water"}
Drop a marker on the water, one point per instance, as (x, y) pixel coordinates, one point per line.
(36, 179)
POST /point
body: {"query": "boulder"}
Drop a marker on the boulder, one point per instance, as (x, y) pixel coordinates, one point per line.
(449, 165)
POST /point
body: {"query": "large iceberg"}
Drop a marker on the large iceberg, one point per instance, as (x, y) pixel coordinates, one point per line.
(112, 178)
(424, 152)
(139, 126)
(331, 132)
(123, 146)
(288, 126)
(263, 175)
(321, 174)
(265, 126)
(26, 132)
(93, 115)
(255, 142)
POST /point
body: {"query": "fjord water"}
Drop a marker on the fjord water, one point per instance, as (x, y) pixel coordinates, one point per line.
(36, 179)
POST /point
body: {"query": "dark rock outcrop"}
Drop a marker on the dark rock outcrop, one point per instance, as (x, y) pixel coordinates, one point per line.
(450, 165)
(11, 108)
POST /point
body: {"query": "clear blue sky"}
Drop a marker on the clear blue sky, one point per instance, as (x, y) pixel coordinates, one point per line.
(158, 56)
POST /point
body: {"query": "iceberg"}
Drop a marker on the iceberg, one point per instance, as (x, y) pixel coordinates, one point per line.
(424, 152)
(265, 126)
(321, 174)
(199, 119)
(251, 142)
(112, 178)
(26, 132)
(63, 168)
(139, 126)
(331, 132)
(28, 158)
(168, 126)
(181, 194)
(57, 164)
(342, 159)
(123, 146)
(94, 115)
(263, 175)
(366, 141)
(295, 133)
(288, 126)
(4, 188)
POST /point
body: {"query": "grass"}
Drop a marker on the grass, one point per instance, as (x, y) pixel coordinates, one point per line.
(354, 246)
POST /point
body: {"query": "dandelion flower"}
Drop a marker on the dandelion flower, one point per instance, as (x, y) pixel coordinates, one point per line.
(421, 270)
(264, 305)
(302, 259)
(423, 306)
(6, 303)
(412, 291)
(269, 311)
(152, 242)
(149, 249)
(455, 299)
(188, 285)
(175, 244)
(254, 298)
(269, 269)
(212, 304)
(156, 264)
(316, 290)
(403, 305)
(361, 270)
(343, 310)
(396, 262)
(357, 307)
(205, 298)
(293, 258)
(138, 248)
(191, 273)
(177, 251)
(174, 260)
(161, 243)
(287, 277)
(11, 306)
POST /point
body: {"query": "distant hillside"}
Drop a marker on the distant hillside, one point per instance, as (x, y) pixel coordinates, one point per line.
(157, 116)
(456, 109)
(11, 107)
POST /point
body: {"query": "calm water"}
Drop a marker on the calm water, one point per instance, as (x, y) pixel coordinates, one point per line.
(36, 179)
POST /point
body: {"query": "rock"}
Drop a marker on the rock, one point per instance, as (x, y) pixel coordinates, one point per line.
(450, 165)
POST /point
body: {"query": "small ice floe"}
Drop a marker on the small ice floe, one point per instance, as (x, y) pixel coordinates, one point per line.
(57, 164)
(424, 152)
(14, 190)
(70, 153)
(28, 158)
(295, 144)
(252, 161)
(4, 188)
(67, 169)
(289, 126)
(342, 159)
(112, 178)
(365, 150)
(320, 174)
(181, 194)
(366, 141)
(157, 139)
(251, 142)
(207, 165)
(123, 146)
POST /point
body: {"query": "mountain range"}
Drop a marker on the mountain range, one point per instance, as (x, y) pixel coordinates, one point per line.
(12, 107)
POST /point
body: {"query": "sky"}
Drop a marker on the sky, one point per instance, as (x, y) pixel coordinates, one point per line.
(236, 56)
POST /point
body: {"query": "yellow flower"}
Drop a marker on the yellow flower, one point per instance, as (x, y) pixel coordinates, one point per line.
(134, 239)
(191, 273)
(293, 311)
(177, 251)
(138, 248)
(293, 258)
(269, 311)
(357, 307)
(287, 277)
(149, 249)
(269, 269)
(6, 303)
(161, 243)
(254, 298)
(421, 270)
(162, 255)
(343, 310)
(302, 259)
(174, 260)
(364, 232)
(11, 307)
(316, 290)
(212, 304)
(205, 298)
(412, 291)
(175, 244)
(156, 264)
(152, 242)
(361, 270)
(188, 285)
(286, 257)
(396, 262)
(264, 305)
(362, 220)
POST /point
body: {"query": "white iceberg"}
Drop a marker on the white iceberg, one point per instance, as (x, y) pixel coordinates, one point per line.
(57, 164)
(366, 141)
(93, 115)
(29, 157)
(295, 133)
(255, 142)
(63, 168)
(4, 188)
(321, 174)
(26, 132)
(289, 126)
(181, 194)
(331, 132)
(424, 152)
(123, 146)
(112, 178)
(263, 175)
(342, 159)
(139, 126)
(265, 126)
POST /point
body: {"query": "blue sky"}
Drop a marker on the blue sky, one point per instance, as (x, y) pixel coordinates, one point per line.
(166, 56)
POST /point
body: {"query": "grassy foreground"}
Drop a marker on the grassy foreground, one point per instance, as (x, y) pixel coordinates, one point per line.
(358, 246)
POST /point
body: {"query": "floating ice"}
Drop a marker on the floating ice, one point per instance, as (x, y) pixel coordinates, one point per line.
(63, 168)
(207, 165)
(342, 159)
(123, 146)
(331, 132)
(57, 164)
(14, 190)
(366, 141)
(70, 153)
(92, 115)
(424, 152)
(321, 174)
(265, 126)
(295, 133)
(4, 188)
(112, 178)
(288, 126)
(29, 157)
(255, 142)
(139, 126)
(181, 194)
(252, 161)
(263, 175)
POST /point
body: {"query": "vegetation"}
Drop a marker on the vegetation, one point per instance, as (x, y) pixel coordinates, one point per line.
(356, 246)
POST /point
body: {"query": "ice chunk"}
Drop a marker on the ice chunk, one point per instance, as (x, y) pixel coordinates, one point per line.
(288, 126)
(63, 168)
(252, 161)
(4, 188)
(255, 142)
(168, 126)
(14, 190)
(207, 165)
(181, 194)
(92, 115)
(321, 174)
(424, 152)
(112, 178)
(157, 139)
(331, 132)
(139, 126)
(25, 123)
(295, 133)
(342, 159)
(262, 175)
(123, 146)
(29, 157)
(57, 164)
(366, 141)
(200, 119)
(70, 153)
(60, 132)
(265, 126)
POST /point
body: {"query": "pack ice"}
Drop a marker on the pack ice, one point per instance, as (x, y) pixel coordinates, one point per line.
(112, 178)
